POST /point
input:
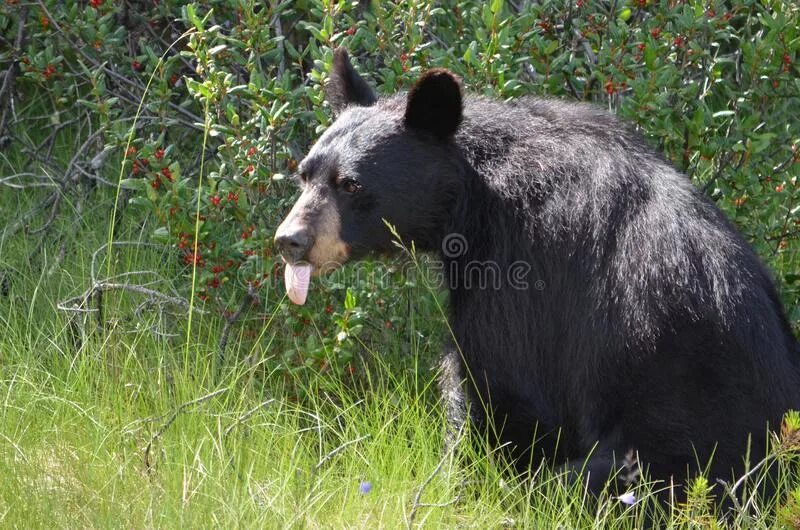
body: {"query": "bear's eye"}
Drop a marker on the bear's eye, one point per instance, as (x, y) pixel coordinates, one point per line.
(349, 185)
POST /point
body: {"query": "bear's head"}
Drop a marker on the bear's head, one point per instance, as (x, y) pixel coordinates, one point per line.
(382, 161)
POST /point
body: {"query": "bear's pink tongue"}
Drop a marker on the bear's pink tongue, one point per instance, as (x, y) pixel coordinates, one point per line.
(297, 278)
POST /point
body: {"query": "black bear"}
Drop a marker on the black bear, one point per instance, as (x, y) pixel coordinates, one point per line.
(600, 304)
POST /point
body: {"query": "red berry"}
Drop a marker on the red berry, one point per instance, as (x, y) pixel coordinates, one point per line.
(193, 258)
(95, 3)
(215, 200)
(167, 174)
(159, 154)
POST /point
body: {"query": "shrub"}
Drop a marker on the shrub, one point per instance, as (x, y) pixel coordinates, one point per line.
(208, 109)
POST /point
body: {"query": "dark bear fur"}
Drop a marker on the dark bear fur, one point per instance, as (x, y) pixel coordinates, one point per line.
(653, 326)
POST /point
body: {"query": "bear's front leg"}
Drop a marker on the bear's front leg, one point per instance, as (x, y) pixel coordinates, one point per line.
(452, 387)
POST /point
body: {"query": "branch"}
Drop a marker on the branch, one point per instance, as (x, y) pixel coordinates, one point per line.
(417, 504)
(78, 303)
(10, 181)
(730, 490)
(246, 416)
(337, 451)
(11, 74)
(121, 79)
(171, 420)
(248, 300)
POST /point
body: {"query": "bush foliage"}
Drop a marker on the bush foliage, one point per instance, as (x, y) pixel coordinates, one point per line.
(191, 116)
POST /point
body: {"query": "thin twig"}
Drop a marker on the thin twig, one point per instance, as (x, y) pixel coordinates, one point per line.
(248, 300)
(731, 490)
(69, 305)
(10, 181)
(11, 74)
(246, 416)
(337, 451)
(172, 419)
(417, 504)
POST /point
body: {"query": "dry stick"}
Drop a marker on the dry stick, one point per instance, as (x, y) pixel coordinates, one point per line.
(54, 208)
(11, 74)
(337, 451)
(109, 286)
(731, 490)
(246, 416)
(30, 214)
(231, 320)
(240, 420)
(9, 181)
(276, 23)
(417, 504)
(171, 420)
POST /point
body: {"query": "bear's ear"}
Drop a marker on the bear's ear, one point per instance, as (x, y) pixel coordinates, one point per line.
(435, 104)
(345, 86)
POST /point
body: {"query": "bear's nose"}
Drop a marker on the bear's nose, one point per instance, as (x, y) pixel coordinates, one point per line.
(292, 243)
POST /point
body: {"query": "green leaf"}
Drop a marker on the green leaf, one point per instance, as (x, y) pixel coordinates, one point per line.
(190, 13)
(349, 300)
(497, 5)
(161, 234)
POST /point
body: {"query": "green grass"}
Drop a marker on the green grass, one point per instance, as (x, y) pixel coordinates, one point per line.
(121, 427)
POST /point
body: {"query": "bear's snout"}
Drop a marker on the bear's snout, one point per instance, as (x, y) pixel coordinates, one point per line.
(293, 242)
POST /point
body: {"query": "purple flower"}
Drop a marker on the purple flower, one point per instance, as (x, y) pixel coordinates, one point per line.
(627, 498)
(365, 486)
